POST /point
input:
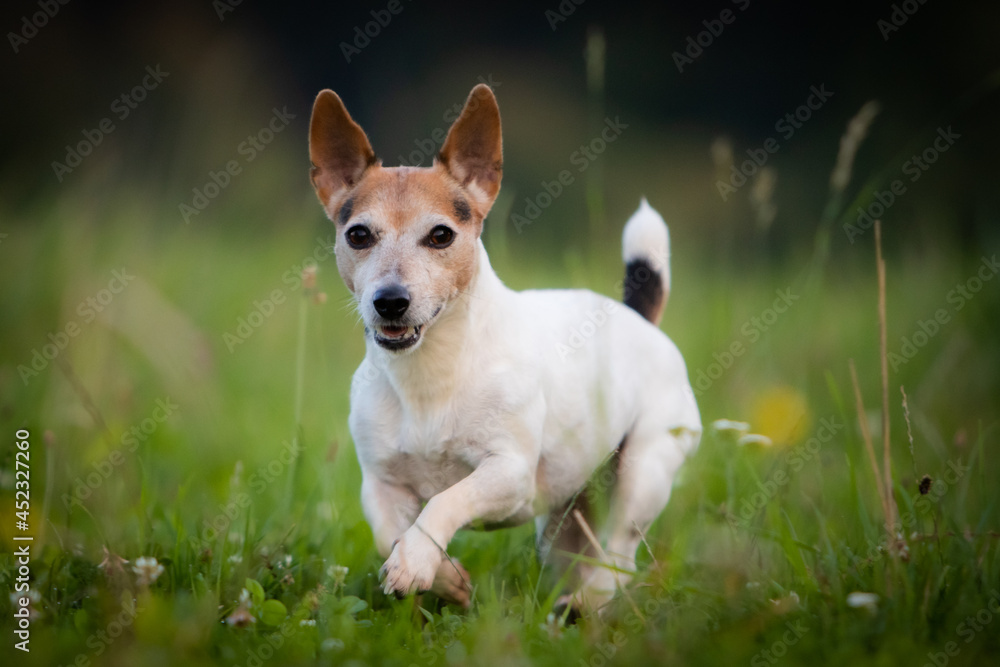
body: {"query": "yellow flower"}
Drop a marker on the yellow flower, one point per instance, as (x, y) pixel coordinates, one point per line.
(781, 414)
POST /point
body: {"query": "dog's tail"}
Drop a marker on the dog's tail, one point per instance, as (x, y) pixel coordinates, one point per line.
(646, 251)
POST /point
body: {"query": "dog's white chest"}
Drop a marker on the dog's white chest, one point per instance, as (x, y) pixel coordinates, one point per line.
(427, 450)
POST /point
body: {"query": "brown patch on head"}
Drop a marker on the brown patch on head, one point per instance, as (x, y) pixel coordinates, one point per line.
(462, 210)
(344, 214)
(400, 196)
(403, 206)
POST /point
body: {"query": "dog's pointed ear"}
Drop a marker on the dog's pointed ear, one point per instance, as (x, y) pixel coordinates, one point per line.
(473, 151)
(338, 149)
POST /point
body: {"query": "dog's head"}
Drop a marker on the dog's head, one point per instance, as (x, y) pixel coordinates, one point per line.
(407, 237)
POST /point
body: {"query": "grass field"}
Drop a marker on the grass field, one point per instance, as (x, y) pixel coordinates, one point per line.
(194, 412)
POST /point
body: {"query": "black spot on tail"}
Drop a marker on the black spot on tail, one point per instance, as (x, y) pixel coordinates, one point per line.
(643, 289)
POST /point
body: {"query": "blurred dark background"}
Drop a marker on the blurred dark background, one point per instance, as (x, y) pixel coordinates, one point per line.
(230, 64)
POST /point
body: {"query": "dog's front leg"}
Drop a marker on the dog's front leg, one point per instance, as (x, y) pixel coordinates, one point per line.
(502, 486)
(389, 509)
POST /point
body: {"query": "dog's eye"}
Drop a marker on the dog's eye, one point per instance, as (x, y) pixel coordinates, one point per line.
(440, 237)
(359, 237)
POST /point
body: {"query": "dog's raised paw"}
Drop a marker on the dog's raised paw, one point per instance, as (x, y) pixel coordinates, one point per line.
(411, 566)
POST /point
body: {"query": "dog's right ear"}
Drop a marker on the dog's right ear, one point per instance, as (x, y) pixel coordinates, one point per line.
(338, 149)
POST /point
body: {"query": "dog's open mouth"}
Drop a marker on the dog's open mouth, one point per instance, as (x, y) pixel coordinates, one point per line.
(397, 337)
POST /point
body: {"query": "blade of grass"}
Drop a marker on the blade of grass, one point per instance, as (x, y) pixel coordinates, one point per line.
(866, 437)
(890, 501)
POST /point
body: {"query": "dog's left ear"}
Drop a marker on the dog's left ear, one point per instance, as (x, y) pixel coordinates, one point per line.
(473, 151)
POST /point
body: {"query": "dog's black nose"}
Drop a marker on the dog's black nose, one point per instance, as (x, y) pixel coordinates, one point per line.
(391, 302)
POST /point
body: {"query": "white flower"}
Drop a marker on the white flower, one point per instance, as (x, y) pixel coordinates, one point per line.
(236, 559)
(859, 600)
(332, 644)
(241, 617)
(147, 569)
(553, 625)
(338, 573)
(754, 439)
(308, 623)
(730, 426)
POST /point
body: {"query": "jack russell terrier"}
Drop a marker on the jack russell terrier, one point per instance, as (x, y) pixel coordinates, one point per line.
(473, 404)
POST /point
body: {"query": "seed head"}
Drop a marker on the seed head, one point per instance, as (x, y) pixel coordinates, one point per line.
(925, 484)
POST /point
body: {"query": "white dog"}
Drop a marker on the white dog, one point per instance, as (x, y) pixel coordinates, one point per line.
(476, 403)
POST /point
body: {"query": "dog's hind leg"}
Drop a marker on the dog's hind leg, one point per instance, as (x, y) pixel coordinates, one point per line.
(648, 463)
(560, 539)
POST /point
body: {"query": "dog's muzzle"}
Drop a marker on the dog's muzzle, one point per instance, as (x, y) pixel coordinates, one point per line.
(396, 338)
(391, 303)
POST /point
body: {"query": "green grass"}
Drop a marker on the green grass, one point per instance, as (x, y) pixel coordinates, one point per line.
(714, 588)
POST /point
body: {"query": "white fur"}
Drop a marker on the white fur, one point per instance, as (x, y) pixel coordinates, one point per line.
(646, 237)
(507, 407)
